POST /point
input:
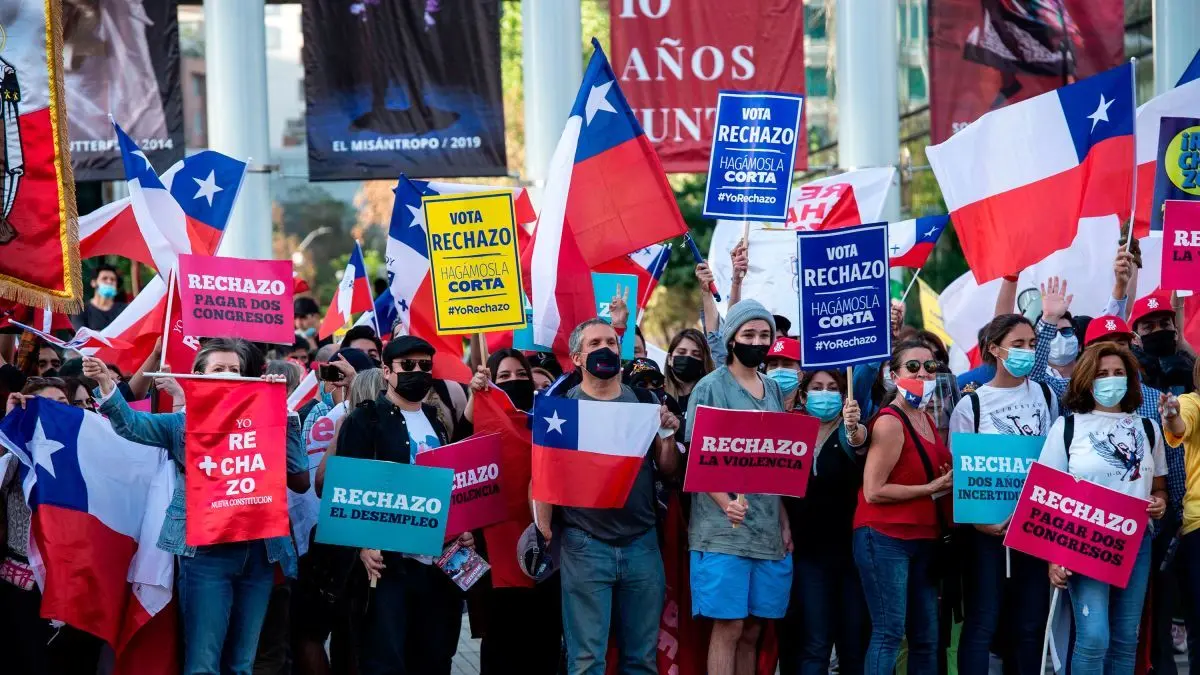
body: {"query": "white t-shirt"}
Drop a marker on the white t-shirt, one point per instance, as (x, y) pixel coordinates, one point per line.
(1110, 449)
(1013, 411)
(421, 436)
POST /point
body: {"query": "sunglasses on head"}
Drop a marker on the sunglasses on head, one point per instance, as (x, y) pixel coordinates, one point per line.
(409, 365)
(914, 366)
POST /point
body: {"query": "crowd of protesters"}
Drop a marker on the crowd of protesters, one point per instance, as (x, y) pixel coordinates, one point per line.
(867, 570)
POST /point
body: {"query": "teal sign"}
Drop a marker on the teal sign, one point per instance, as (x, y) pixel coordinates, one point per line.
(384, 505)
(604, 285)
(989, 472)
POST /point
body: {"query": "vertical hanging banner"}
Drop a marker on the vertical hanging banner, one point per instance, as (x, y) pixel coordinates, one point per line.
(403, 86)
(39, 236)
(844, 317)
(122, 59)
(986, 55)
(235, 464)
(674, 56)
(1177, 172)
(474, 262)
(753, 156)
(1181, 246)
(251, 299)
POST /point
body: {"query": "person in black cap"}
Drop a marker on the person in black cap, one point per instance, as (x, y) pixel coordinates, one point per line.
(307, 319)
(415, 611)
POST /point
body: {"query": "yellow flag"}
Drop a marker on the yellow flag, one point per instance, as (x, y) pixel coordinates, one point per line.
(931, 312)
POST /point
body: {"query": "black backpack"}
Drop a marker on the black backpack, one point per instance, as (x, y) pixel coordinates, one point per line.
(1069, 434)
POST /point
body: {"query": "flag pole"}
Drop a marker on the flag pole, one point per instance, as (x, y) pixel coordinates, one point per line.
(1049, 621)
(166, 336)
(913, 282)
(1133, 197)
(197, 376)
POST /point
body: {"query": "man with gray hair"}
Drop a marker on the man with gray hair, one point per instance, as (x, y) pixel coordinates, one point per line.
(611, 567)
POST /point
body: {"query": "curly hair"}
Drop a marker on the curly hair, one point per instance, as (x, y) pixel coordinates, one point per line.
(1079, 396)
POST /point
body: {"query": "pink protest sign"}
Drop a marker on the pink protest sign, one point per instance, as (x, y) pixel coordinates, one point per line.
(475, 497)
(1087, 528)
(224, 297)
(750, 451)
(1181, 245)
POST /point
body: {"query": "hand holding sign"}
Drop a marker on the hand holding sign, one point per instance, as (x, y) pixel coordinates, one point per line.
(735, 510)
(740, 257)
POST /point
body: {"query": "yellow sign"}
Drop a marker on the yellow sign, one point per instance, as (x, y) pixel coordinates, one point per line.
(474, 262)
(931, 312)
(1182, 159)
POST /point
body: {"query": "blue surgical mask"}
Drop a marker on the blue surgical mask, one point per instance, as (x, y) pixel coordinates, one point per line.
(1019, 362)
(1063, 350)
(309, 332)
(106, 290)
(823, 405)
(326, 397)
(788, 379)
(1108, 391)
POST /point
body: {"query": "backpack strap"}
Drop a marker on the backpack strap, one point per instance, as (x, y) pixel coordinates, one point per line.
(928, 465)
(1048, 395)
(1148, 427)
(1068, 436)
(974, 396)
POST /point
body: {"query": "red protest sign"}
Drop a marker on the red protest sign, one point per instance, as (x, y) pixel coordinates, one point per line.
(750, 451)
(236, 461)
(475, 497)
(251, 299)
(1181, 245)
(1087, 528)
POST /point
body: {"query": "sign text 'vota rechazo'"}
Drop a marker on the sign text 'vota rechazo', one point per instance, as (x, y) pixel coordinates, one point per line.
(753, 156)
(843, 288)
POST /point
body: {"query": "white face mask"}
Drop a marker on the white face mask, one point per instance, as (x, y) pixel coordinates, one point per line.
(1063, 350)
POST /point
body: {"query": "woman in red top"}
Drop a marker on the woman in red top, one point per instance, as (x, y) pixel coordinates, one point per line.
(896, 525)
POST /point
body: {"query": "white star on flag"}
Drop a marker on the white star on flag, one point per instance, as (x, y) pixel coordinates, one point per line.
(418, 215)
(139, 153)
(598, 100)
(1101, 113)
(555, 422)
(207, 187)
(42, 449)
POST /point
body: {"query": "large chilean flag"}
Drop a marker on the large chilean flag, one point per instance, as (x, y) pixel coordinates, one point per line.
(1018, 179)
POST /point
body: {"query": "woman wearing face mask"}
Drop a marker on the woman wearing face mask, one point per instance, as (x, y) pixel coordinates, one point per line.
(688, 360)
(1064, 348)
(1009, 404)
(1108, 443)
(740, 575)
(898, 524)
(827, 606)
(783, 366)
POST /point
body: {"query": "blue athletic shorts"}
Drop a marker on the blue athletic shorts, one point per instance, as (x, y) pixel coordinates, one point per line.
(735, 587)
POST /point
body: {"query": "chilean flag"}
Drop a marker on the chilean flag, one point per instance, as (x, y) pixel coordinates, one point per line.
(1018, 179)
(45, 320)
(911, 241)
(647, 264)
(304, 392)
(84, 337)
(140, 325)
(353, 295)
(98, 503)
(588, 453)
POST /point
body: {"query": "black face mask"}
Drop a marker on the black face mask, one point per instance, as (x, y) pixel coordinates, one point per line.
(520, 391)
(604, 364)
(1160, 343)
(750, 356)
(413, 386)
(687, 368)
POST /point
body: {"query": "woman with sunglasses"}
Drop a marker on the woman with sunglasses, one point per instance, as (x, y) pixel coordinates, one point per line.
(827, 607)
(1106, 442)
(897, 523)
(1009, 404)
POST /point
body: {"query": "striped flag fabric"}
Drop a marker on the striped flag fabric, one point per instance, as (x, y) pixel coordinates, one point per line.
(353, 295)
(911, 241)
(84, 337)
(588, 453)
(1018, 180)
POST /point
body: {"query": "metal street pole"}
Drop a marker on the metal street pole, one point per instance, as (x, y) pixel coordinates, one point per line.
(1176, 23)
(552, 64)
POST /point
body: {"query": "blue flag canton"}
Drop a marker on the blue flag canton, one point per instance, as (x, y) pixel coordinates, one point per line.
(607, 119)
(137, 165)
(48, 433)
(1099, 108)
(556, 422)
(206, 186)
(408, 219)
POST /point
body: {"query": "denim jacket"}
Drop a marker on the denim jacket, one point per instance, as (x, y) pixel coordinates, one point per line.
(165, 430)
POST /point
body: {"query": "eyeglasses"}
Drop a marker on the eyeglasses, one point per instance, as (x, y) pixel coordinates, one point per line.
(914, 366)
(409, 365)
(1066, 331)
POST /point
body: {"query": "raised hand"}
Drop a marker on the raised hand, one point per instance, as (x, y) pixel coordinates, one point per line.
(1055, 300)
(618, 307)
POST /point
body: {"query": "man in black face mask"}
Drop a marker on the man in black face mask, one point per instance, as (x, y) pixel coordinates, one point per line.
(415, 611)
(1164, 365)
(611, 567)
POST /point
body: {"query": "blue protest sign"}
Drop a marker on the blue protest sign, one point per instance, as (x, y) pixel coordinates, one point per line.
(844, 304)
(1177, 172)
(989, 472)
(604, 285)
(753, 156)
(384, 505)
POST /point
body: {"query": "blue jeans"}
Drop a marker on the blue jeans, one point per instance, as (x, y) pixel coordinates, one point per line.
(985, 590)
(602, 583)
(898, 582)
(1107, 619)
(223, 596)
(827, 609)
